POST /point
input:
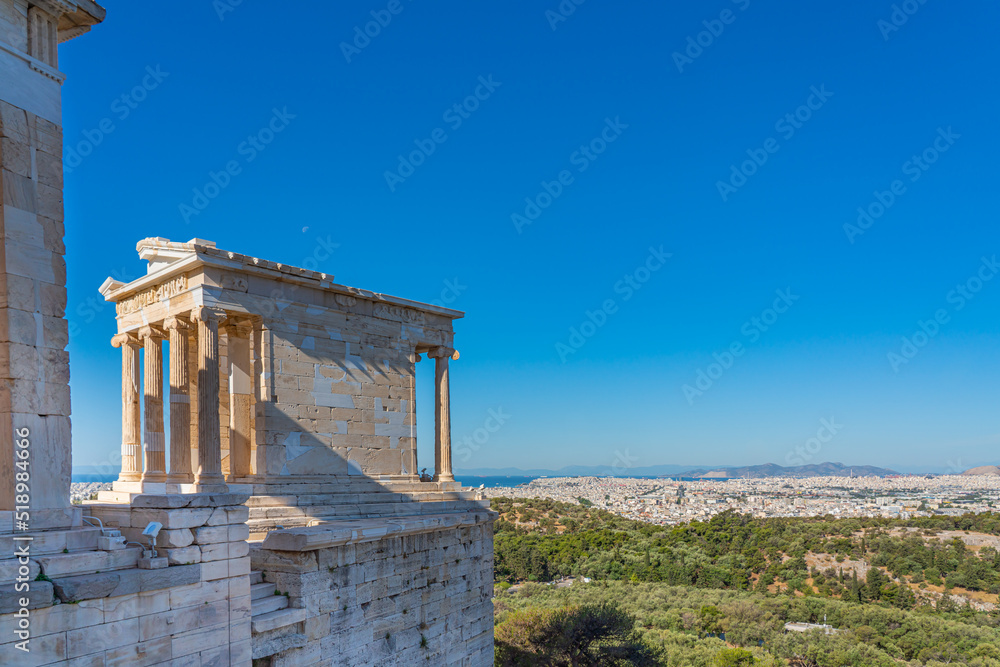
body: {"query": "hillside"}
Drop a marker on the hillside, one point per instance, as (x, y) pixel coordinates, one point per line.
(896, 592)
(983, 470)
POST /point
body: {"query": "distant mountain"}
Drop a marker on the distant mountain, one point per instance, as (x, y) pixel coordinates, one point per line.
(774, 470)
(983, 470)
(758, 471)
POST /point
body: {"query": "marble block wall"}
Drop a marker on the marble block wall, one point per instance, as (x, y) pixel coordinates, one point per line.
(423, 598)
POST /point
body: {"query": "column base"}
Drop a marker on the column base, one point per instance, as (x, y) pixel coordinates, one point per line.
(173, 479)
(141, 486)
(206, 484)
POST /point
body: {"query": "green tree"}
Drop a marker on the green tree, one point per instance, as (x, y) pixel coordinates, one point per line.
(587, 635)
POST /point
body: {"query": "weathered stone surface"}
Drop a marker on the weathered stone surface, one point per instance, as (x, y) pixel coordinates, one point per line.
(174, 539)
(175, 575)
(282, 561)
(88, 586)
(40, 596)
(172, 519)
(269, 647)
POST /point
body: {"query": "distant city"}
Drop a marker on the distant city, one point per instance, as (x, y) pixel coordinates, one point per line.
(668, 502)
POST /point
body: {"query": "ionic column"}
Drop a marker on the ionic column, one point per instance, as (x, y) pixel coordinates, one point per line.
(240, 398)
(154, 445)
(442, 415)
(131, 421)
(180, 401)
(209, 472)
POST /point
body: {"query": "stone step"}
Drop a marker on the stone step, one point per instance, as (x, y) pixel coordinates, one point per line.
(313, 499)
(277, 619)
(256, 577)
(267, 605)
(258, 591)
(52, 541)
(89, 562)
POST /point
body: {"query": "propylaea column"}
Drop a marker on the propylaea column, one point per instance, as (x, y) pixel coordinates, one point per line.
(240, 398)
(152, 399)
(208, 476)
(180, 402)
(131, 420)
(442, 415)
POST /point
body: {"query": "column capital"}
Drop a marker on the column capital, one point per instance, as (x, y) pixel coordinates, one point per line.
(151, 331)
(125, 339)
(176, 323)
(442, 352)
(206, 314)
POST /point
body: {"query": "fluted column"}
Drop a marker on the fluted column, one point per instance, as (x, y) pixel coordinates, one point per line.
(131, 421)
(209, 472)
(154, 445)
(442, 415)
(240, 397)
(180, 401)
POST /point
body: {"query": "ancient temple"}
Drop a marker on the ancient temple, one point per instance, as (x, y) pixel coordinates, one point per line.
(278, 376)
(270, 508)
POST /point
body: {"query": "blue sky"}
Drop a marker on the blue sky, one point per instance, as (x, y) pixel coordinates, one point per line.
(739, 138)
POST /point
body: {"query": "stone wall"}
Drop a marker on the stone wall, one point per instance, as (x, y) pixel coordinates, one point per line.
(34, 364)
(342, 392)
(419, 597)
(100, 609)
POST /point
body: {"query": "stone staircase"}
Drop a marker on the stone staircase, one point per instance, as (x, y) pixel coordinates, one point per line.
(53, 553)
(267, 512)
(275, 627)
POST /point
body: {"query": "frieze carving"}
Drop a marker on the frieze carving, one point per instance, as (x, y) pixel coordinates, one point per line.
(399, 313)
(345, 300)
(155, 294)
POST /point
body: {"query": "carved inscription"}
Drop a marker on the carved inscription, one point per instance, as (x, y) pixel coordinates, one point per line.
(160, 292)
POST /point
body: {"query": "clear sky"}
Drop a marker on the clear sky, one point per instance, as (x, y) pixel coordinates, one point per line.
(651, 176)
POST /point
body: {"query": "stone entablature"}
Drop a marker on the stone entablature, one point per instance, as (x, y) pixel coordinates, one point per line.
(289, 375)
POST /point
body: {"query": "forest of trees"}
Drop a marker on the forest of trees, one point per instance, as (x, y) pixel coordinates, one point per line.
(687, 587)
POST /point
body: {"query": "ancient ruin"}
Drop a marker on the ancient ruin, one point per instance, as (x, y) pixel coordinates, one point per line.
(270, 508)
